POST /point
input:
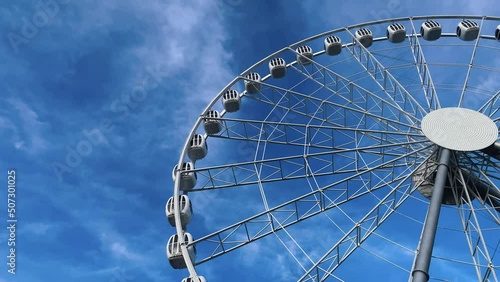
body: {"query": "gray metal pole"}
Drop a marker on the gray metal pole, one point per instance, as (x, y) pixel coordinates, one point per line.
(421, 271)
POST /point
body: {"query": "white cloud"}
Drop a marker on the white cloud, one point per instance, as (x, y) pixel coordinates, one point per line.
(118, 245)
(31, 126)
(10, 131)
(121, 250)
(187, 41)
(190, 44)
(179, 46)
(38, 228)
(191, 40)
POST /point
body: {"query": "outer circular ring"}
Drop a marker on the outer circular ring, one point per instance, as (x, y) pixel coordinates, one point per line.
(179, 230)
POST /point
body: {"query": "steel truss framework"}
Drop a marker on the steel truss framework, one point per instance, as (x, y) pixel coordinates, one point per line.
(344, 129)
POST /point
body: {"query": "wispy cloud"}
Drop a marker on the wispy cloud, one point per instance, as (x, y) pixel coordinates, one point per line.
(119, 250)
(163, 35)
(30, 135)
(107, 215)
(38, 228)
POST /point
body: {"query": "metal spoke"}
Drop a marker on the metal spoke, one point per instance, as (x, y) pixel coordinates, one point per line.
(492, 106)
(423, 70)
(295, 167)
(471, 225)
(473, 56)
(359, 233)
(330, 196)
(314, 136)
(350, 97)
(395, 92)
(343, 84)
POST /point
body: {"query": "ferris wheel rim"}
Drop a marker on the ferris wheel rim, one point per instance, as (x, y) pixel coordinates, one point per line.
(241, 77)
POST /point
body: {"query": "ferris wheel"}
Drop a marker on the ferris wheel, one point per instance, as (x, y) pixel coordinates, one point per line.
(367, 150)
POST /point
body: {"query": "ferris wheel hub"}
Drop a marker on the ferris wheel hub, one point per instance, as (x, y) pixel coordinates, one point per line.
(459, 129)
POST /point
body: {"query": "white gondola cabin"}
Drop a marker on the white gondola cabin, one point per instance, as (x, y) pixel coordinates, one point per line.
(231, 101)
(211, 123)
(194, 279)
(252, 83)
(431, 30)
(197, 148)
(497, 33)
(396, 33)
(304, 55)
(364, 36)
(277, 67)
(174, 252)
(467, 30)
(333, 45)
(186, 210)
(188, 177)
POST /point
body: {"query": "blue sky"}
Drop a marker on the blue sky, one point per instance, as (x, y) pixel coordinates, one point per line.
(141, 73)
